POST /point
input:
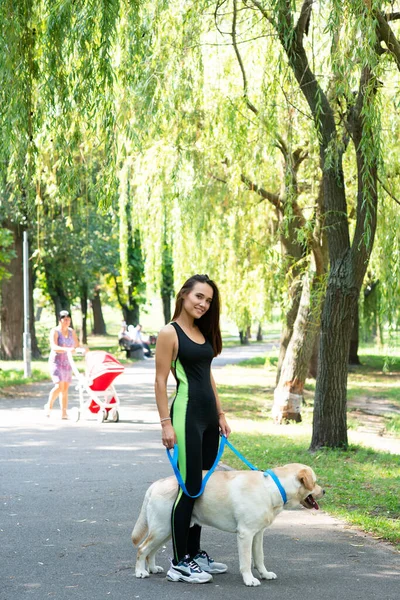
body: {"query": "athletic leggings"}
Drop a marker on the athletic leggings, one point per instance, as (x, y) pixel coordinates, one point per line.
(195, 420)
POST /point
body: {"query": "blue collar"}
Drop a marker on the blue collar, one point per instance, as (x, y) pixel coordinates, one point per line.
(278, 484)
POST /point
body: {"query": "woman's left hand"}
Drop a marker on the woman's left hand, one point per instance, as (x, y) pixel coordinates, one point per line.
(223, 425)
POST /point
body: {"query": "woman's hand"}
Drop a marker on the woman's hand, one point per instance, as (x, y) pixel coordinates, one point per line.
(168, 435)
(223, 425)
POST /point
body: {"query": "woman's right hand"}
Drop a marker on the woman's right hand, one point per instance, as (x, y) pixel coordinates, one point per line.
(168, 435)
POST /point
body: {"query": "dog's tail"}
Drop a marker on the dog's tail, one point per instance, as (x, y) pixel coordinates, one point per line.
(141, 527)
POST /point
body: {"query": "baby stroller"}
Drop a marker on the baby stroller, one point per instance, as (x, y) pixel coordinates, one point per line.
(101, 370)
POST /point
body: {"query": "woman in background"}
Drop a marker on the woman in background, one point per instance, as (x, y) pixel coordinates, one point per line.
(63, 339)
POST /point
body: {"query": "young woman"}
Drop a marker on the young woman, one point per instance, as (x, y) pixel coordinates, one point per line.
(62, 340)
(186, 347)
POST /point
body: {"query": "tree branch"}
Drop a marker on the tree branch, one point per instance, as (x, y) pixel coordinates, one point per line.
(304, 20)
(388, 192)
(239, 58)
(265, 195)
(386, 35)
(394, 16)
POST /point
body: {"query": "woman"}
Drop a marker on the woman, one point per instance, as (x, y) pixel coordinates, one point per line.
(62, 340)
(187, 346)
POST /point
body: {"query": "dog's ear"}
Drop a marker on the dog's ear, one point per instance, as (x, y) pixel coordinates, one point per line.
(305, 477)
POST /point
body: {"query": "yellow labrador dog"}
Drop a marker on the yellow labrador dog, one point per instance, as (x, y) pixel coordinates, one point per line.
(241, 502)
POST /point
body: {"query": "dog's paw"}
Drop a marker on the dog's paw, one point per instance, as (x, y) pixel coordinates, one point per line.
(156, 569)
(141, 573)
(264, 574)
(251, 581)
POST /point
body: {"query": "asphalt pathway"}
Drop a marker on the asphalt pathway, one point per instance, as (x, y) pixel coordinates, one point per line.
(70, 494)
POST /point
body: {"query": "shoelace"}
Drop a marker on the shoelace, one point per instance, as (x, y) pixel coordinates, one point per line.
(203, 554)
(194, 566)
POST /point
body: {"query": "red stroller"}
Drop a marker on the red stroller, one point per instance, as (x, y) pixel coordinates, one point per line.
(101, 370)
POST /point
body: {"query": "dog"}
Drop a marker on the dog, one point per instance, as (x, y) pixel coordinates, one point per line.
(241, 502)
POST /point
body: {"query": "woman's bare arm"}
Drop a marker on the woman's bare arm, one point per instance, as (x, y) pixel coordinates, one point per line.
(166, 349)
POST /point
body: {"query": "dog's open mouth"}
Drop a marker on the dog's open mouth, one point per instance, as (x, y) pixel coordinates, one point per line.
(310, 502)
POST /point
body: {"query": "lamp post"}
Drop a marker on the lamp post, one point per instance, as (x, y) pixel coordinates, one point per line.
(27, 335)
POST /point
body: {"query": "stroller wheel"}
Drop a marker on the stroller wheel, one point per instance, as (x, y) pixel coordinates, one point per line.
(101, 416)
(114, 415)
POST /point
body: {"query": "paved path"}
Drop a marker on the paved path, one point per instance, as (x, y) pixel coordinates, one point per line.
(70, 494)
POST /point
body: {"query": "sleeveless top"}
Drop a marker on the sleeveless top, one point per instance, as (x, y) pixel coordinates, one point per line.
(193, 374)
(58, 361)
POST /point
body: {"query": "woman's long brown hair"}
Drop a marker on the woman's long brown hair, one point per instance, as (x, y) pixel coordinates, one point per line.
(209, 322)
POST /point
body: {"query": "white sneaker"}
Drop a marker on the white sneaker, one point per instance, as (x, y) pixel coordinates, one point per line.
(188, 571)
(207, 564)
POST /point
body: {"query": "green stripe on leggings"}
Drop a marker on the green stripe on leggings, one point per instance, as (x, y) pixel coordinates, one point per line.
(179, 423)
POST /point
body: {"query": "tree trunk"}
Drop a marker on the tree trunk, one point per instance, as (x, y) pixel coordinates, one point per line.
(84, 303)
(166, 304)
(99, 326)
(243, 338)
(288, 395)
(60, 302)
(259, 333)
(330, 405)
(313, 369)
(12, 303)
(287, 330)
(354, 340)
(131, 314)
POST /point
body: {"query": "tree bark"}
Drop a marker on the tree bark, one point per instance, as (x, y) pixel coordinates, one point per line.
(84, 303)
(287, 329)
(131, 314)
(288, 395)
(354, 340)
(12, 303)
(244, 340)
(166, 304)
(330, 405)
(99, 326)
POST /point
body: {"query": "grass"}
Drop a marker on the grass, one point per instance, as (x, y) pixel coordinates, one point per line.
(11, 377)
(362, 486)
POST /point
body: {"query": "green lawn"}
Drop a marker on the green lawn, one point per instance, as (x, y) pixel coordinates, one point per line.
(362, 486)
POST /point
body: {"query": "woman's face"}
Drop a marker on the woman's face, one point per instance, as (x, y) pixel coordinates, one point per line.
(198, 300)
(66, 321)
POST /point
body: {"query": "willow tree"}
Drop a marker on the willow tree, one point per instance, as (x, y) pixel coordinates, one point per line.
(55, 70)
(348, 257)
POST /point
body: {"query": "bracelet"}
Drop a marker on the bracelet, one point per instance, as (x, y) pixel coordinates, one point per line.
(221, 413)
(165, 419)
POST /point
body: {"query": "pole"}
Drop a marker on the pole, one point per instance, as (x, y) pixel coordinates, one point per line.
(27, 334)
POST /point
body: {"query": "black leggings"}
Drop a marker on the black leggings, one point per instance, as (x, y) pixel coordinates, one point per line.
(197, 451)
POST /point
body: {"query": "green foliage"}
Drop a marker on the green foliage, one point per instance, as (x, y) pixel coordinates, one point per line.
(11, 377)
(146, 103)
(7, 253)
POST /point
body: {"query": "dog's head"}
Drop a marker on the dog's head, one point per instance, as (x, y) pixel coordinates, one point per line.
(300, 483)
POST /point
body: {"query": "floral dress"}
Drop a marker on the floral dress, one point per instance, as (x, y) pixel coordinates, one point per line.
(60, 369)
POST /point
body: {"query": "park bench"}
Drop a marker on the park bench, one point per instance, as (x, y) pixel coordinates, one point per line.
(135, 352)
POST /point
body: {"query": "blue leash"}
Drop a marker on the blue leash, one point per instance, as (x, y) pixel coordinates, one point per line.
(173, 459)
